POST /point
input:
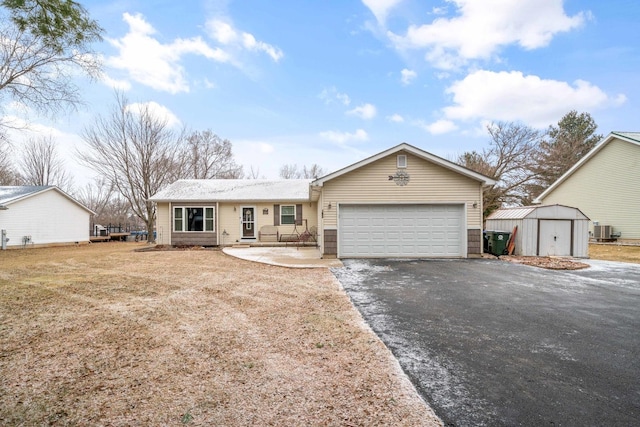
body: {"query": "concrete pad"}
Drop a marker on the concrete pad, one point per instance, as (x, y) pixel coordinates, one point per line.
(284, 257)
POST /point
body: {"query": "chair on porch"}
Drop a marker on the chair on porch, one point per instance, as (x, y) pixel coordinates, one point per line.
(268, 233)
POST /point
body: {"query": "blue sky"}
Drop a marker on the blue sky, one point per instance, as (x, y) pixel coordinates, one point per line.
(333, 81)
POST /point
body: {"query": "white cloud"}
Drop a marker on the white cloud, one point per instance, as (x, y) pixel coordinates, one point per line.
(264, 147)
(407, 76)
(343, 98)
(224, 33)
(380, 8)
(482, 27)
(221, 31)
(364, 111)
(512, 96)
(344, 137)
(118, 84)
(329, 95)
(396, 118)
(156, 110)
(251, 43)
(154, 64)
(439, 127)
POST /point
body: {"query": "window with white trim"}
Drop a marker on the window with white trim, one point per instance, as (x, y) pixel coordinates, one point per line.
(193, 218)
(287, 214)
(402, 161)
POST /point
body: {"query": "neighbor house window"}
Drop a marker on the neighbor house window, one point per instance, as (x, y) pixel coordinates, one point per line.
(193, 219)
(402, 160)
(287, 214)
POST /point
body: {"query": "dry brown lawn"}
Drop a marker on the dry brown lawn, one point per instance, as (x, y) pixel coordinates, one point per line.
(103, 335)
(614, 252)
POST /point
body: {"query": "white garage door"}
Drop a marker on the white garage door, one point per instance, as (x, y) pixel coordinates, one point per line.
(401, 231)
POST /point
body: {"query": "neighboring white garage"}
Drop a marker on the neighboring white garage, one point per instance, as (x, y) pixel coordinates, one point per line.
(401, 230)
(41, 216)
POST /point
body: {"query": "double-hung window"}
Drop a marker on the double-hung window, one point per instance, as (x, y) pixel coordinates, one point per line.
(193, 218)
(287, 214)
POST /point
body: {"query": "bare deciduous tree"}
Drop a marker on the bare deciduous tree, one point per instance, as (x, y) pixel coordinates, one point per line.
(41, 164)
(8, 174)
(210, 157)
(292, 172)
(289, 172)
(136, 152)
(510, 159)
(96, 195)
(254, 173)
(108, 205)
(312, 172)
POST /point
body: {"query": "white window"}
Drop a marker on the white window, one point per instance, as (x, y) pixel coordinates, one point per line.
(287, 214)
(402, 161)
(193, 218)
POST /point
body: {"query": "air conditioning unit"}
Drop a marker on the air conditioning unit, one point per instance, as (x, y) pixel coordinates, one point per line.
(602, 232)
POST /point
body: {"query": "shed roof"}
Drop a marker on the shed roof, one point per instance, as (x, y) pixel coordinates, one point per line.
(512, 213)
(12, 193)
(238, 190)
(541, 211)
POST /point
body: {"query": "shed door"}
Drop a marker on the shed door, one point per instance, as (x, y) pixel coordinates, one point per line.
(555, 238)
(401, 231)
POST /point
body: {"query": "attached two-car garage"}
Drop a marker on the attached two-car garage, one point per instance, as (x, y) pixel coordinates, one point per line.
(401, 230)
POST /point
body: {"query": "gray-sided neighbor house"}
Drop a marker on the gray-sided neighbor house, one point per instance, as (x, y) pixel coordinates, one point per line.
(41, 216)
(554, 230)
(605, 186)
(402, 202)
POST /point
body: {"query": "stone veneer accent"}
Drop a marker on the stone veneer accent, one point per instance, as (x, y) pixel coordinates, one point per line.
(330, 242)
(474, 242)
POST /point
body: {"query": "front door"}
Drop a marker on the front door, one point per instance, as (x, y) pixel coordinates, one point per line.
(248, 222)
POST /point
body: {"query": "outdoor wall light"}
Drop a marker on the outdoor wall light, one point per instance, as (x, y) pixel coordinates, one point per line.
(265, 211)
(475, 205)
(329, 207)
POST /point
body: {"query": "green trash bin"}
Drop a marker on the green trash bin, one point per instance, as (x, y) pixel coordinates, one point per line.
(497, 242)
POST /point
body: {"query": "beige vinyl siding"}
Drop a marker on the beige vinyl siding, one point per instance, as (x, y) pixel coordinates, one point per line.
(428, 183)
(163, 224)
(606, 188)
(231, 222)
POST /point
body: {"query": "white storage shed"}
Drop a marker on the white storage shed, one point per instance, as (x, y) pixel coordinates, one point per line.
(553, 230)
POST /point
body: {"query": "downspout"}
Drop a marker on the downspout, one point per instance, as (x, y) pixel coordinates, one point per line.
(3, 233)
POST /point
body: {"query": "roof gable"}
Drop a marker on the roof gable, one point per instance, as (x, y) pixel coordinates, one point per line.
(416, 152)
(249, 190)
(630, 137)
(14, 193)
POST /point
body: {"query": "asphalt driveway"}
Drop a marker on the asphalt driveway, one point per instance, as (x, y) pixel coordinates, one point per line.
(488, 342)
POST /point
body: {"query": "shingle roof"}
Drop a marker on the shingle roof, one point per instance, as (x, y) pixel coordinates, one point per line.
(235, 190)
(631, 135)
(11, 193)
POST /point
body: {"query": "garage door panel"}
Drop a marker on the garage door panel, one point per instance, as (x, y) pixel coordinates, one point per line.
(401, 230)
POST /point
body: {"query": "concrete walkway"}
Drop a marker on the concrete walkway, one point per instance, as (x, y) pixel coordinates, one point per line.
(284, 257)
